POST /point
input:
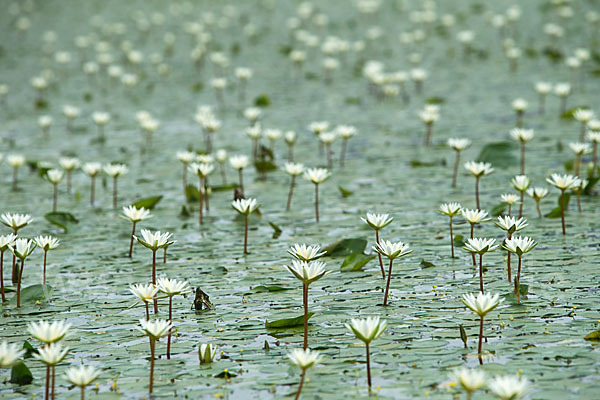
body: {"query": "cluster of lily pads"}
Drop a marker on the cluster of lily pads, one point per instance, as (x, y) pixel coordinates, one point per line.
(111, 60)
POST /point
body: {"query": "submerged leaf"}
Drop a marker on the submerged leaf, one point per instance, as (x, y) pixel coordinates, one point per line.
(499, 154)
(426, 264)
(355, 262)
(287, 322)
(346, 247)
(61, 219)
(148, 202)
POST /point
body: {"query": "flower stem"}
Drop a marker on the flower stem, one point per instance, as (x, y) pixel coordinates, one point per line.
(518, 283)
(92, 190)
(521, 205)
(154, 279)
(15, 179)
(152, 344)
(508, 236)
(387, 285)
(240, 175)
(537, 206)
(578, 201)
(47, 392)
(428, 132)
(83, 393)
(300, 385)
(201, 198)
(455, 173)
(291, 192)
(379, 255)
(343, 155)
(44, 268)
(477, 192)
(480, 339)
(368, 365)
(305, 303)
(481, 273)
(317, 201)
(53, 382)
(147, 311)
(170, 320)
(562, 211)
(473, 254)
(165, 255)
(245, 234)
(577, 164)
(451, 238)
(115, 192)
(19, 283)
(522, 158)
(2, 276)
(184, 179)
(131, 240)
(69, 173)
(54, 197)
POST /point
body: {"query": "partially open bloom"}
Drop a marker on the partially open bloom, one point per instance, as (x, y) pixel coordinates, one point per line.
(316, 175)
(173, 287)
(133, 214)
(144, 292)
(304, 359)
(522, 135)
(519, 245)
(306, 253)
(155, 240)
(307, 272)
(155, 329)
(474, 216)
(519, 105)
(580, 148)
(450, 209)
(294, 169)
(583, 115)
(537, 193)
(207, 353)
(470, 379)
(185, 157)
(16, 221)
(115, 170)
(92, 168)
(377, 221)
(46, 242)
(22, 248)
(238, 162)
(9, 354)
(49, 333)
(69, 163)
(511, 224)
(392, 250)
(245, 206)
(521, 182)
(480, 245)
(100, 117)
(478, 169)
(563, 182)
(458, 144)
(367, 329)
(51, 354)
(509, 387)
(482, 304)
(509, 198)
(82, 376)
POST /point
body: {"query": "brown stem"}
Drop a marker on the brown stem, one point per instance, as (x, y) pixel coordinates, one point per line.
(578, 202)
(44, 273)
(69, 173)
(241, 181)
(455, 173)
(521, 205)
(518, 282)
(451, 238)
(290, 153)
(201, 198)
(300, 385)
(147, 311)
(509, 207)
(317, 201)
(305, 303)
(368, 365)
(53, 382)
(473, 254)
(15, 179)
(562, 211)
(387, 285)
(92, 190)
(152, 344)
(290, 193)
(83, 393)
(508, 236)
(428, 132)
(583, 131)
(477, 192)
(480, 339)
(165, 255)
(379, 254)
(206, 203)
(154, 279)
(54, 197)
(19, 283)
(170, 320)
(577, 164)
(47, 391)
(246, 234)
(2, 275)
(184, 180)
(343, 154)
(522, 158)
(115, 192)
(223, 176)
(481, 272)
(131, 240)
(594, 158)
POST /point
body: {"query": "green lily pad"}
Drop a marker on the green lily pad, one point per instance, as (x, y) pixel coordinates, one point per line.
(63, 220)
(148, 202)
(355, 262)
(287, 322)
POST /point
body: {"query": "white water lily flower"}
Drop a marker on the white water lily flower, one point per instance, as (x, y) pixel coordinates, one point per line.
(478, 169)
(221, 156)
(134, 214)
(450, 209)
(474, 216)
(46, 242)
(69, 163)
(483, 303)
(100, 117)
(245, 206)
(345, 131)
(252, 113)
(207, 353)
(185, 157)
(522, 135)
(519, 245)
(52, 354)
(155, 240)
(318, 127)
(562, 89)
(272, 134)
(45, 121)
(205, 158)
(47, 332)
(458, 144)
(509, 198)
(316, 175)
(367, 329)
(583, 115)
(304, 359)
(428, 117)
(115, 170)
(290, 137)
(293, 169)
(15, 160)
(521, 183)
(9, 354)
(480, 245)
(22, 248)
(543, 87)
(144, 292)
(392, 250)
(511, 224)
(519, 105)
(537, 193)
(92, 168)
(81, 376)
(173, 287)
(238, 162)
(470, 379)
(327, 137)
(307, 272)
(7, 240)
(254, 132)
(306, 253)
(563, 182)
(202, 169)
(16, 221)
(55, 175)
(155, 329)
(580, 148)
(377, 221)
(509, 387)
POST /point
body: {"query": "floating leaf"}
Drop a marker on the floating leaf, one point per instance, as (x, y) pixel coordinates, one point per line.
(426, 264)
(499, 154)
(148, 203)
(225, 374)
(267, 288)
(459, 240)
(276, 230)
(419, 163)
(20, 374)
(346, 247)
(345, 192)
(355, 262)
(287, 322)
(29, 350)
(223, 188)
(262, 101)
(61, 219)
(34, 293)
(435, 100)
(594, 336)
